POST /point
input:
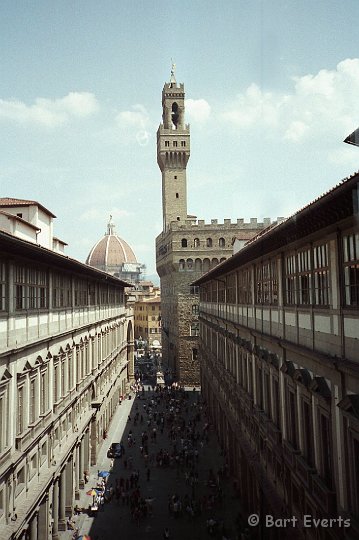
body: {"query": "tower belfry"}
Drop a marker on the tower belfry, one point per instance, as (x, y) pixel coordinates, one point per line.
(173, 151)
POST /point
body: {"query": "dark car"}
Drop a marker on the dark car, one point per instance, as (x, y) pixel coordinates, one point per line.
(115, 450)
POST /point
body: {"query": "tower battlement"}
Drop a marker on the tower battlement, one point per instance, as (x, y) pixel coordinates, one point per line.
(214, 224)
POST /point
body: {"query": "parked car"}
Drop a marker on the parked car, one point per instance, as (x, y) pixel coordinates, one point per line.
(115, 450)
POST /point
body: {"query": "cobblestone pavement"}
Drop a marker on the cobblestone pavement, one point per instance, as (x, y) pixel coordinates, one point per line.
(114, 520)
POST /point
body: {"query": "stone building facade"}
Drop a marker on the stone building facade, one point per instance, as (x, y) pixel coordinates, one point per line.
(187, 247)
(279, 351)
(147, 320)
(66, 358)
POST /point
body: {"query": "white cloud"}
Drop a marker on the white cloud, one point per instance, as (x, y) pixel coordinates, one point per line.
(296, 130)
(321, 105)
(253, 106)
(136, 120)
(197, 110)
(50, 112)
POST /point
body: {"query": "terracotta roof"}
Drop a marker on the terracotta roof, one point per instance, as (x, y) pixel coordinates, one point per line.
(154, 300)
(7, 202)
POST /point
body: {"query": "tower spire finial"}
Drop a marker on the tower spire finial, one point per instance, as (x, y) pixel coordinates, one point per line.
(173, 69)
(110, 226)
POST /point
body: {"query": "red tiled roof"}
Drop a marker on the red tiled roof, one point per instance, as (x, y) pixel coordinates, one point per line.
(7, 202)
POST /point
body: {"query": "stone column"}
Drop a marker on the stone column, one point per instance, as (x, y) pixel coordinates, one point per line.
(93, 440)
(43, 520)
(62, 508)
(55, 510)
(81, 482)
(87, 450)
(77, 472)
(69, 503)
(33, 528)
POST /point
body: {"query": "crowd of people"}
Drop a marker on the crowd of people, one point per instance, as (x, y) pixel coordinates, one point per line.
(168, 429)
(167, 435)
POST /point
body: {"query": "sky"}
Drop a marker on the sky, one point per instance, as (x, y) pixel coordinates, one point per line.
(271, 92)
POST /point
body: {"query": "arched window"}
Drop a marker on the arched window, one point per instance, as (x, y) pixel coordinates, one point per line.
(221, 242)
(206, 265)
(196, 242)
(175, 115)
(190, 265)
(198, 265)
(181, 263)
(184, 242)
(214, 262)
(223, 259)
(209, 242)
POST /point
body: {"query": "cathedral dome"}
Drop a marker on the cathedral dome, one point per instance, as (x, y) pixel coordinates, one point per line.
(111, 253)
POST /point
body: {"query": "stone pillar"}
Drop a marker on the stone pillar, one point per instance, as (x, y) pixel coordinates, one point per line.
(55, 510)
(81, 482)
(77, 472)
(69, 487)
(93, 440)
(43, 520)
(33, 528)
(87, 451)
(62, 501)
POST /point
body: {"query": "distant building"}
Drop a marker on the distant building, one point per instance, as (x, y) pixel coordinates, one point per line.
(66, 358)
(147, 315)
(113, 255)
(279, 355)
(186, 248)
(30, 221)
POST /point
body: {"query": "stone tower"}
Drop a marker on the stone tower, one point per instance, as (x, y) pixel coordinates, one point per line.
(187, 247)
(173, 150)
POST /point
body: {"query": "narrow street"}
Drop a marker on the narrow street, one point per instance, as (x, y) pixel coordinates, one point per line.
(182, 485)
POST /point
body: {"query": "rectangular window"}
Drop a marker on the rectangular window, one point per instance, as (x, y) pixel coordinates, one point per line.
(308, 447)
(325, 449)
(43, 393)
(231, 289)
(167, 143)
(56, 383)
(174, 143)
(290, 279)
(292, 419)
(20, 410)
(321, 275)
(20, 287)
(267, 283)
(183, 143)
(276, 403)
(32, 401)
(195, 310)
(3, 420)
(2, 286)
(351, 269)
(195, 329)
(304, 276)
(61, 291)
(245, 286)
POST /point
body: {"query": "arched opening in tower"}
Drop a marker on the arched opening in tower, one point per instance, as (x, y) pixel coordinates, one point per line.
(175, 115)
